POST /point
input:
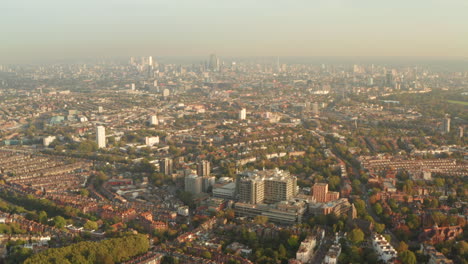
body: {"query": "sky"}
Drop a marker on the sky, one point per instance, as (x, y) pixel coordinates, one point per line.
(34, 30)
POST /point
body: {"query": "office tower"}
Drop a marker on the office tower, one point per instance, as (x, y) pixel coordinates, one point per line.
(100, 109)
(370, 82)
(101, 136)
(278, 68)
(321, 194)
(251, 190)
(132, 60)
(213, 63)
(165, 166)
(446, 125)
(280, 188)
(150, 60)
(193, 184)
(133, 87)
(166, 92)
(460, 131)
(207, 182)
(203, 168)
(389, 79)
(242, 114)
(270, 186)
(154, 120)
(315, 109)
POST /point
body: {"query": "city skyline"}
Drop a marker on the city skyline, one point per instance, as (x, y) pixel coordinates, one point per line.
(51, 29)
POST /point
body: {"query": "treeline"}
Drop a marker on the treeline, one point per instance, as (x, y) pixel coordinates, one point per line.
(108, 251)
(32, 203)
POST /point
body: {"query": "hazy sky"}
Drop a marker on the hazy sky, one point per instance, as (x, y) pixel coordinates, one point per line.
(58, 29)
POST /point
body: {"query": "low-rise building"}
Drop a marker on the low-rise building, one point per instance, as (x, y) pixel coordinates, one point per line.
(384, 250)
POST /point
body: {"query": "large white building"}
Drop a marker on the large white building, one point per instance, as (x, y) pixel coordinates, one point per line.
(242, 114)
(151, 141)
(154, 120)
(47, 140)
(193, 184)
(306, 249)
(332, 255)
(268, 186)
(101, 136)
(384, 250)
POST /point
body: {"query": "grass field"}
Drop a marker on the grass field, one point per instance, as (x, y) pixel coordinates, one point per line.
(458, 102)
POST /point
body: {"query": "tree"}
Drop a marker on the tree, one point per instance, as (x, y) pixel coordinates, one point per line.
(59, 222)
(282, 253)
(356, 235)
(379, 228)
(206, 254)
(378, 209)
(402, 247)
(261, 219)
(90, 225)
(408, 257)
(42, 217)
(293, 242)
(413, 221)
(84, 192)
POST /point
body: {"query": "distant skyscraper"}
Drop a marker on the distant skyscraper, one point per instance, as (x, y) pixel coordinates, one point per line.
(165, 166)
(166, 92)
(101, 136)
(315, 108)
(446, 125)
(461, 131)
(213, 63)
(278, 68)
(133, 87)
(100, 109)
(242, 114)
(389, 79)
(150, 61)
(154, 120)
(203, 168)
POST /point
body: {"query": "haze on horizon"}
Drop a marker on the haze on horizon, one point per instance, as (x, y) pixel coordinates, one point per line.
(56, 29)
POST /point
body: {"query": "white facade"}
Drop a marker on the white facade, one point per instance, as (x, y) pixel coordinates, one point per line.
(306, 250)
(333, 254)
(242, 114)
(47, 140)
(150, 61)
(183, 211)
(101, 136)
(154, 120)
(151, 141)
(384, 250)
